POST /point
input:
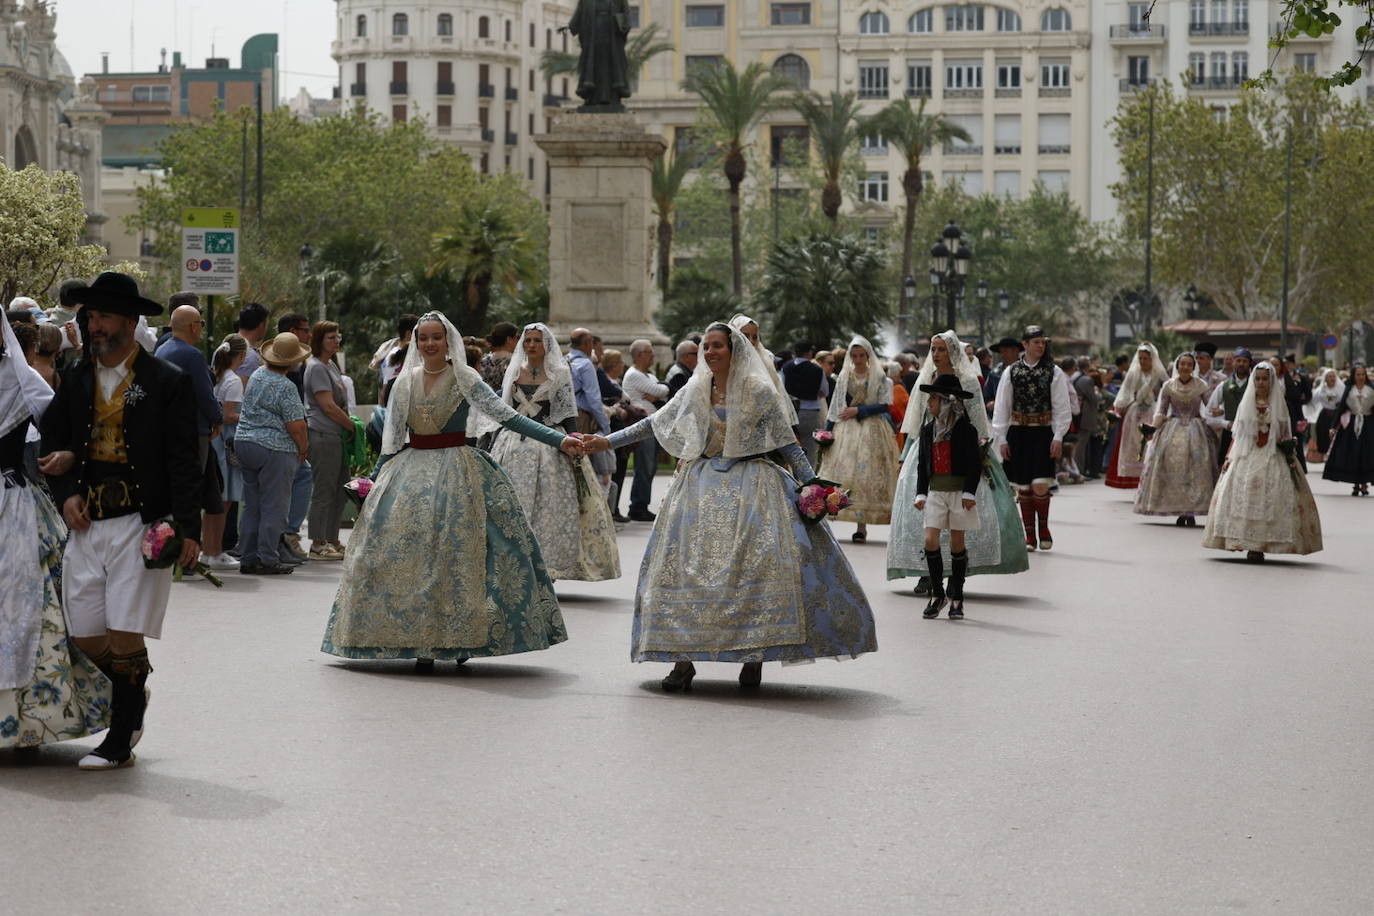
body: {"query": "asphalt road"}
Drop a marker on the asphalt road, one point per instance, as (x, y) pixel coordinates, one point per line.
(1136, 725)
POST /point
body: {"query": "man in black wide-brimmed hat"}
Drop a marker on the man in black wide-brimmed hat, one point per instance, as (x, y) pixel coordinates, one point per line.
(120, 453)
(951, 464)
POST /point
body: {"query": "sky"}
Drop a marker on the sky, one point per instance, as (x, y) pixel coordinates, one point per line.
(135, 32)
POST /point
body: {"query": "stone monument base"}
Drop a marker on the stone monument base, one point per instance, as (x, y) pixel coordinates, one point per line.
(602, 247)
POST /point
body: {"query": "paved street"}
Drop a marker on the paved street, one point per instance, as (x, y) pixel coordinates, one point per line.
(1135, 726)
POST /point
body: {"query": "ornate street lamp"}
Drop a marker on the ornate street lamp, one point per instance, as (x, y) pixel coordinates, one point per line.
(949, 266)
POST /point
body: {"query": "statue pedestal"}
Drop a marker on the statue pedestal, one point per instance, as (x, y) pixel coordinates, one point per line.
(602, 272)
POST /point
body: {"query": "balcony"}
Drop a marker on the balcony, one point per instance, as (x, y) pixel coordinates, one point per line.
(1010, 92)
(443, 88)
(964, 93)
(1131, 85)
(1218, 29)
(1136, 33)
(918, 92)
(357, 88)
(486, 91)
(1055, 92)
(1007, 149)
(873, 151)
(488, 135)
(1054, 149)
(554, 100)
(1280, 32)
(512, 93)
(1217, 83)
(964, 149)
(512, 138)
(870, 93)
(398, 87)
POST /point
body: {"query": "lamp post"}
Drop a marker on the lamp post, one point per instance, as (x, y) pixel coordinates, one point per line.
(949, 264)
(982, 291)
(904, 317)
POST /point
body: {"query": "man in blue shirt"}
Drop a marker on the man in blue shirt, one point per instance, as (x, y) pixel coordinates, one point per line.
(586, 388)
(179, 349)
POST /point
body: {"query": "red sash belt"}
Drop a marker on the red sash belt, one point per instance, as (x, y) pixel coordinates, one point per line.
(443, 440)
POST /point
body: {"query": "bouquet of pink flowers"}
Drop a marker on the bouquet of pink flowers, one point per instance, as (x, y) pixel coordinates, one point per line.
(161, 547)
(824, 437)
(819, 498)
(357, 490)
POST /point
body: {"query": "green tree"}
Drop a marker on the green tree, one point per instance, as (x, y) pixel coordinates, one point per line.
(42, 218)
(490, 244)
(912, 132)
(695, 300)
(1219, 189)
(736, 101)
(666, 183)
(1315, 18)
(643, 46)
(833, 124)
(825, 285)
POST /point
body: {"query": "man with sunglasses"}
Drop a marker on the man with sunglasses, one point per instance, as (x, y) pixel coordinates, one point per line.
(187, 327)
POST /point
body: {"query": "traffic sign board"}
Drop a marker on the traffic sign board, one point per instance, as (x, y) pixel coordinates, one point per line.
(1331, 341)
(210, 250)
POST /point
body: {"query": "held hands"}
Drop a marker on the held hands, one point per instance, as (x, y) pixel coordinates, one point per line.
(595, 443)
(920, 503)
(55, 464)
(572, 447)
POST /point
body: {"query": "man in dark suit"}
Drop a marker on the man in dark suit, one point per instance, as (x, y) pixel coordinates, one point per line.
(805, 384)
(120, 454)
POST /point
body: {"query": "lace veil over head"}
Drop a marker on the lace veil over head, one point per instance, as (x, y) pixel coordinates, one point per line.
(557, 388)
(1136, 379)
(769, 363)
(409, 382)
(754, 422)
(877, 389)
(965, 369)
(23, 393)
(1246, 427)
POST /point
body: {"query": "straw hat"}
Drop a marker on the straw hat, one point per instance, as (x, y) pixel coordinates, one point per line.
(285, 349)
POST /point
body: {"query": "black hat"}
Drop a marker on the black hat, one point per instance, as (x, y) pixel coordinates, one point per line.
(116, 293)
(1205, 346)
(1009, 342)
(1033, 331)
(948, 386)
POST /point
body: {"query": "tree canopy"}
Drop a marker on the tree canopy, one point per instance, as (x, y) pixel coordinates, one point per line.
(42, 218)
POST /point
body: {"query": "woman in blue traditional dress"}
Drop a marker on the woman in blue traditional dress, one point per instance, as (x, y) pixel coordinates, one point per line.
(443, 563)
(49, 690)
(996, 547)
(561, 497)
(732, 573)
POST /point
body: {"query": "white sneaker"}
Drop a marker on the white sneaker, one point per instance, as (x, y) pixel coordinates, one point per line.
(96, 762)
(222, 561)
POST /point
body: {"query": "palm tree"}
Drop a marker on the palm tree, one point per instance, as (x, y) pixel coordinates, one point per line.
(913, 132)
(834, 126)
(736, 102)
(642, 47)
(487, 246)
(667, 181)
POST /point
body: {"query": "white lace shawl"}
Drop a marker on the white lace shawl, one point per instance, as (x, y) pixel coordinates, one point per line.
(557, 389)
(770, 364)
(1246, 427)
(394, 432)
(967, 372)
(1136, 387)
(878, 387)
(755, 423)
(23, 393)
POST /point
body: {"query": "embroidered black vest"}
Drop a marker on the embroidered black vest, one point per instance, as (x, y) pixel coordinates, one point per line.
(1030, 386)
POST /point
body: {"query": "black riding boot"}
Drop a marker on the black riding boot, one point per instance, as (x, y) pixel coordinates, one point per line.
(936, 564)
(957, 574)
(128, 675)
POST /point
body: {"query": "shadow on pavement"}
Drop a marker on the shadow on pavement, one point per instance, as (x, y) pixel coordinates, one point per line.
(803, 699)
(51, 774)
(1287, 562)
(522, 682)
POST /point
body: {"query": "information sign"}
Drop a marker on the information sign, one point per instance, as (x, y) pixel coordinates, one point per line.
(210, 251)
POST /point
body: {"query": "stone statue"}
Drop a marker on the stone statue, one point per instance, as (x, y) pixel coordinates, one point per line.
(603, 75)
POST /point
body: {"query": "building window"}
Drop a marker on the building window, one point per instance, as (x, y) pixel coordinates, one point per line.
(1135, 15)
(873, 188)
(1054, 74)
(963, 19)
(483, 27)
(874, 23)
(443, 116)
(484, 119)
(791, 14)
(534, 43)
(1007, 184)
(973, 126)
(1138, 70)
(1008, 74)
(872, 81)
(398, 114)
(1218, 68)
(1240, 15)
(152, 93)
(400, 25)
(1197, 15)
(696, 61)
(445, 81)
(971, 183)
(1240, 67)
(794, 69)
(531, 128)
(548, 39)
(918, 81)
(1305, 63)
(485, 164)
(922, 22)
(1218, 12)
(1006, 134)
(873, 145)
(790, 144)
(445, 25)
(532, 83)
(1008, 20)
(1197, 67)
(963, 74)
(634, 17)
(530, 169)
(1056, 20)
(510, 34)
(360, 28)
(1054, 134)
(872, 235)
(1055, 181)
(699, 16)
(398, 78)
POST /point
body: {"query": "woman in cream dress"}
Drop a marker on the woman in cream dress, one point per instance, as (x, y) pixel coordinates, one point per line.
(1180, 464)
(1135, 404)
(863, 458)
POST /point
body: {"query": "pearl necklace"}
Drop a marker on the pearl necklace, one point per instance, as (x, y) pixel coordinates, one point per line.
(435, 371)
